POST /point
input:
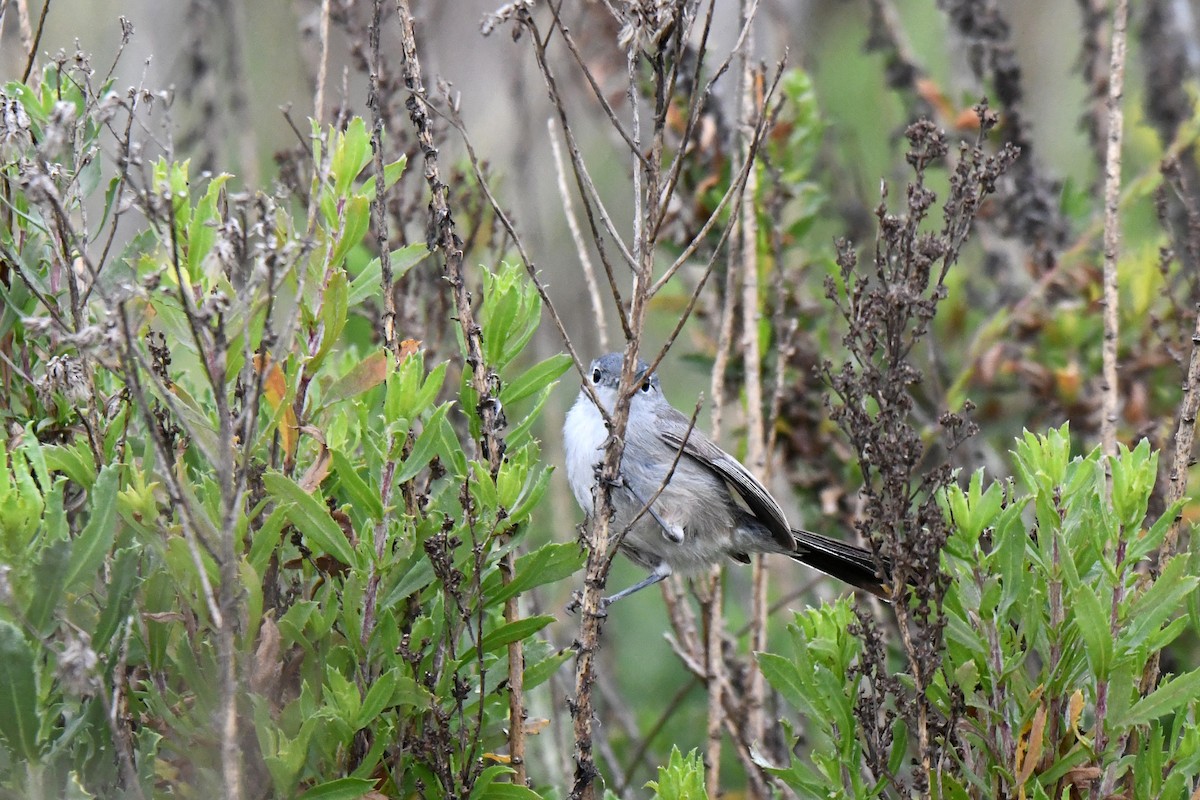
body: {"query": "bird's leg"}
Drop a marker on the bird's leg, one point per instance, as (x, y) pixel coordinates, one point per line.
(659, 574)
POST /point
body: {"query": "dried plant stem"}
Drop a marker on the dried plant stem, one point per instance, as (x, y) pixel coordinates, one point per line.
(1091, 64)
(379, 206)
(323, 65)
(23, 25)
(233, 16)
(34, 40)
(388, 319)
(585, 260)
(1112, 231)
(1181, 461)
(483, 379)
(756, 454)
(1185, 437)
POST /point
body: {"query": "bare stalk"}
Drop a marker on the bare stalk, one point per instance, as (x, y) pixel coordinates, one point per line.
(32, 42)
(756, 454)
(388, 319)
(484, 380)
(1185, 436)
(323, 65)
(1112, 231)
(585, 260)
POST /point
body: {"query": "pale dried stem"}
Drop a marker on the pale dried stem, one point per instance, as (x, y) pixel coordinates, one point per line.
(24, 25)
(1112, 231)
(756, 454)
(585, 259)
(323, 66)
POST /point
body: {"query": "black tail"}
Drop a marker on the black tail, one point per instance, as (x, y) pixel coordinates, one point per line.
(843, 561)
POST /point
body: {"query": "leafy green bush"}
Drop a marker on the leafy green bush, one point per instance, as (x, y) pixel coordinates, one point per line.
(241, 543)
(1054, 632)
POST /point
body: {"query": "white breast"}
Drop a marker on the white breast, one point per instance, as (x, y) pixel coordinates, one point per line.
(584, 435)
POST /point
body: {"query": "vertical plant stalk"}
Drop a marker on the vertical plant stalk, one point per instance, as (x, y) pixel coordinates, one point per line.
(31, 41)
(1092, 54)
(646, 183)
(585, 259)
(232, 15)
(231, 587)
(1112, 231)
(756, 454)
(1185, 437)
(323, 66)
(1181, 459)
(484, 380)
(599, 560)
(379, 207)
(388, 319)
(24, 27)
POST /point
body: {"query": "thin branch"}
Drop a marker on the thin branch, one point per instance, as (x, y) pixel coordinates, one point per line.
(732, 193)
(32, 47)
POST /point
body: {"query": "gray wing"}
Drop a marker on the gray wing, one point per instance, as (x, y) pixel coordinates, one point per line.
(673, 428)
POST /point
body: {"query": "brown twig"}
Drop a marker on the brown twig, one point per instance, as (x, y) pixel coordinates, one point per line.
(32, 47)
(388, 318)
(484, 380)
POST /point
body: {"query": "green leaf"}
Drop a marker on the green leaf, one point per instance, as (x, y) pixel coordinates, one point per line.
(681, 779)
(366, 284)
(507, 634)
(49, 576)
(539, 673)
(549, 563)
(311, 517)
(535, 379)
(1092, 623)
(340, 789)
(425, 447)
(351, 152)
(356, 220)
(1159, 602)
(415, 578)
(366, 374)
(18, 694)
(391, 174)
(94, 542)
(119, 596)
(1171, 696)
(487, 778)
(333, 316)
(508, 791)
(782, 674)
(379, 696)
(201, 229)
(360, 495)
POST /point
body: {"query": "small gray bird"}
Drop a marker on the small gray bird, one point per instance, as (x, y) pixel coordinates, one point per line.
(711, 506)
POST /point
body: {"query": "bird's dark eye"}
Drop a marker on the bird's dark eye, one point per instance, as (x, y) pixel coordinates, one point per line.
(595, 376)
(646, 386)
